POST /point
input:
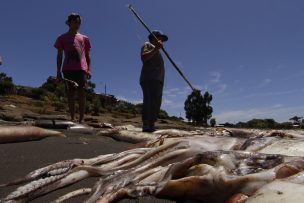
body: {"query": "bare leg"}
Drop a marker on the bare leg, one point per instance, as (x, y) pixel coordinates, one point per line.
(71, 102)
(82, 102)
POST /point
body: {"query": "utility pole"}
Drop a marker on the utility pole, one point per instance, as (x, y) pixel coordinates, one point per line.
(105, 88)
(0, 60)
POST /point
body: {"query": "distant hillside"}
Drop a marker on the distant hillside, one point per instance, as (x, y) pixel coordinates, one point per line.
(50, 99)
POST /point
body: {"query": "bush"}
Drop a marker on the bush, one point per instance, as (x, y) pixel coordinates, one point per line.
(38, 104)
(175, 118)
(96, 106)
(285, 125)
(124, 107)
(6, 87)
(60, 106)
(37, 93)
(265, 124)
(6, 84)
(49, 87)
(212, 122)
(163, 114)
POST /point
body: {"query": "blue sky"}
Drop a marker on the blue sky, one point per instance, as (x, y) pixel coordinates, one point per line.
(248, 53)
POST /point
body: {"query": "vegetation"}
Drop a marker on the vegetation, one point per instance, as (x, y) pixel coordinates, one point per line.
(264, 124)
(296, 120)
(212, 122)
(6, 84)
(197, 107)
(163, 114)
(37, 93)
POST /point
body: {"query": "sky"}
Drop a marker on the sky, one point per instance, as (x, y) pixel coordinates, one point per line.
(249, 54)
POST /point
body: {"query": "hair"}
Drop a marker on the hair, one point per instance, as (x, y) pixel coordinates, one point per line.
(71, 17)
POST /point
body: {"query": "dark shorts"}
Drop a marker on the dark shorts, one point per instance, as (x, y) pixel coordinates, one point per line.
(152, 93)
(80, 77)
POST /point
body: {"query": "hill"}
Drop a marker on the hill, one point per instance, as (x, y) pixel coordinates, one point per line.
(21, 103)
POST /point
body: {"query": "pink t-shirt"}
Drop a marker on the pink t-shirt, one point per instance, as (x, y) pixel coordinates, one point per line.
(74, 47)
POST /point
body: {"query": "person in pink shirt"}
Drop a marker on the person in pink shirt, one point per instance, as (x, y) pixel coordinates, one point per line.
(76, 65)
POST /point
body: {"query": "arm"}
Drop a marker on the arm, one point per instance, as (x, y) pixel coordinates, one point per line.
(88, 59)
(147, 55)
(59, 61)
(87, 56)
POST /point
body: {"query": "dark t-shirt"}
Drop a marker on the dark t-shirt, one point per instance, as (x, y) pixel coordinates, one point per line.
(154, 68)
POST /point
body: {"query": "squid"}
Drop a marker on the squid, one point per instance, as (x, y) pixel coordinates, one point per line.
(199, 166)
(11, 134)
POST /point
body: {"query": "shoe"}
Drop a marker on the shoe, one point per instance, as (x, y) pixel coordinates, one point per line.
(147, 129)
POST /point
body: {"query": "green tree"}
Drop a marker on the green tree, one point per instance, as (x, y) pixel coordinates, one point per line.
(6, 84)
(212, 122)
(197, 107)
(270, 123)
(296, 119)
(58, 88)
(91, 87)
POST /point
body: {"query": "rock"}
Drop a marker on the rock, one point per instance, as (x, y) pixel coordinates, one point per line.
(163, 122)
(8, 106)
(100, 125)
(11, 116)
(54, 124)
(81, 128)
(34, 116)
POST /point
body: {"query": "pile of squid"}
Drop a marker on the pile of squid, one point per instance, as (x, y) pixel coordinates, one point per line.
(206, 165)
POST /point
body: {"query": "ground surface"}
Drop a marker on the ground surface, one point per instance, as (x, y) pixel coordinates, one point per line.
(16, 108)
(20, 158)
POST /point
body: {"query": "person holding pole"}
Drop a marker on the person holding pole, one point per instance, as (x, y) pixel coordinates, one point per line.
(76, 66)
(152, 75)
(152, 79)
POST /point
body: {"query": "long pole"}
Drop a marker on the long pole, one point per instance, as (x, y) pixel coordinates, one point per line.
(164, 50)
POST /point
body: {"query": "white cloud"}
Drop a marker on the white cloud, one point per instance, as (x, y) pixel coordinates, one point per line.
(170, 104)
(174, 92)
(278, 93)
(133, 101)
(215, 77)
(220, 89)
(267, 81)
(277, 106)
(264, 82)
(167, 102)
(215, 84)
(174, 98)
(171, 91)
